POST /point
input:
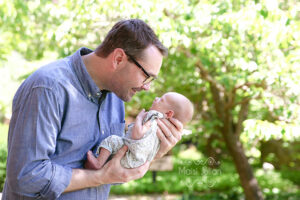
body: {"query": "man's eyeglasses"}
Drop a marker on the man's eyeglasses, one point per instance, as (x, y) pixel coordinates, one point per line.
(149, 78)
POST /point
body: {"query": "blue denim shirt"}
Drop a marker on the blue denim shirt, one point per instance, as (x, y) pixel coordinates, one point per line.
(53, 125)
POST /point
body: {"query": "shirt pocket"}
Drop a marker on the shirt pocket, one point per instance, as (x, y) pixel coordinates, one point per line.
(117, 129)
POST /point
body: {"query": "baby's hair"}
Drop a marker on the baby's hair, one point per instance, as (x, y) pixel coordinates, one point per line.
(183, 108)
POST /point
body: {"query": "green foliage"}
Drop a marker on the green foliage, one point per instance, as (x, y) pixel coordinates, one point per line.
(3, 156)
(3, 134)
(196, 177)
(264, 130)
(292, 175)
(283, 196)
(250, 48)
(238, 196)
(15, 69)
(3, 153)
(237, 41)
(258, 131)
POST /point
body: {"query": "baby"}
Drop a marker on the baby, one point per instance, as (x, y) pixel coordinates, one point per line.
(142, 148)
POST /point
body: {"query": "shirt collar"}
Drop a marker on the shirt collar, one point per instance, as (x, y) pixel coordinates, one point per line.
(89, 86)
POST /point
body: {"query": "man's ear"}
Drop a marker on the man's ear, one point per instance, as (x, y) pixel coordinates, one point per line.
(118, 57)
(169, 114)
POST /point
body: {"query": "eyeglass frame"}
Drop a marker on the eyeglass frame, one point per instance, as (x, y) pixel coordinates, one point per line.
(143, 69)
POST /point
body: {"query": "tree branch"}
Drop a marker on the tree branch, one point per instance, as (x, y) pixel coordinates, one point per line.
(249, 84)
(243, 113)
(217, 90)
(206, 76)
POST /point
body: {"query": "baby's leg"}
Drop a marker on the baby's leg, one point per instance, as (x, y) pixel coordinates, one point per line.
(96, 163)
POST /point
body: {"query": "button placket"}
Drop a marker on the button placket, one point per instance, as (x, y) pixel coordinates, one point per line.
(100, 101)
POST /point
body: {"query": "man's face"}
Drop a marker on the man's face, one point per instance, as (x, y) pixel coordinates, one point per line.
(130, 79)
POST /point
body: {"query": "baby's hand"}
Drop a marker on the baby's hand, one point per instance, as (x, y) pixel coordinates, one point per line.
(139, 130)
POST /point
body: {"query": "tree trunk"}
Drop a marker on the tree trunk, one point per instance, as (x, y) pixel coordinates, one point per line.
(248, 181)
(224, 102)
(232, 140)
(213, 151)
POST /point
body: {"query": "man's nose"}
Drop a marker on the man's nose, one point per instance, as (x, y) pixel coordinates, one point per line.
(146, 86)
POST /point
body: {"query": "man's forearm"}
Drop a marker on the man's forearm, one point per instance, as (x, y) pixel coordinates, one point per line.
(83, 178)
(111, 172)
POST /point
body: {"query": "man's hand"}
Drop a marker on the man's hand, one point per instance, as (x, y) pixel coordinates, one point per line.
(113, 172)
(169, 133)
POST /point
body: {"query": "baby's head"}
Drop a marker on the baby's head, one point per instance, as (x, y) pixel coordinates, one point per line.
(175, 105)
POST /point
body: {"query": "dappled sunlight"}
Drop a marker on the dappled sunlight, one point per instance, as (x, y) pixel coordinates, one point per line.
(237, 61)
(190, 153)
(264, 130)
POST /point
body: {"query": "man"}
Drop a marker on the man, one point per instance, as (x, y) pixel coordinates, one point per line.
(68, 107)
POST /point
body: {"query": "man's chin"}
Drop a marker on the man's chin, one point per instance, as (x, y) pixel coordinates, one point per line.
(128, 96)
(127, 99)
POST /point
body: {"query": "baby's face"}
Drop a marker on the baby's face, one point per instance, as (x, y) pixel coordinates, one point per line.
(162, 104)
(173, 104)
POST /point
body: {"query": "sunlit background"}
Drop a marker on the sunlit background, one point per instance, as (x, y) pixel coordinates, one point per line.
(238, 61)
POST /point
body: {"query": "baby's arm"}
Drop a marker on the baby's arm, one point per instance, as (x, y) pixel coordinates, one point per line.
(136, 135)
(142, 145)
(96, 163)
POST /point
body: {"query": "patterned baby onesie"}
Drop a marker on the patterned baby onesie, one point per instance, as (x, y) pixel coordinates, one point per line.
(139, 151)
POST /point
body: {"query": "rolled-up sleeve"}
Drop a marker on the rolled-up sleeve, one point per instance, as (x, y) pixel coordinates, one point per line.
(34, 128)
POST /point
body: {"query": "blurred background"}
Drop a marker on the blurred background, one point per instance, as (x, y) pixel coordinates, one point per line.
(238, 61)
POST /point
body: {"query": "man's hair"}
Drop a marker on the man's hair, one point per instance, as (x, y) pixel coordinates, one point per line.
(133, 36)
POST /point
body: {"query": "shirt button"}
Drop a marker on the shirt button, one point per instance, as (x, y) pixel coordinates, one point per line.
(98, 94)
(102, 132)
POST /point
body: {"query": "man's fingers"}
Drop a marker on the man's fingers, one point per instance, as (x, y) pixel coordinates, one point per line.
(161, 136)
(121, 152)
(129, 174)
(169, 129)
(139, 172)
(177, 124)
(164, 128)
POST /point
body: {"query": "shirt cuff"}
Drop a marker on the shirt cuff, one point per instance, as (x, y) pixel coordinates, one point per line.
(60, 180)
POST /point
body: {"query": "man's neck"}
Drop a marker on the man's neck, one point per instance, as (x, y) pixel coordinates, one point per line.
(96, 67)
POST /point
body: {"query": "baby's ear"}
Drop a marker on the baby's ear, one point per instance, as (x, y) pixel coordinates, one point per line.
(169, 114)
